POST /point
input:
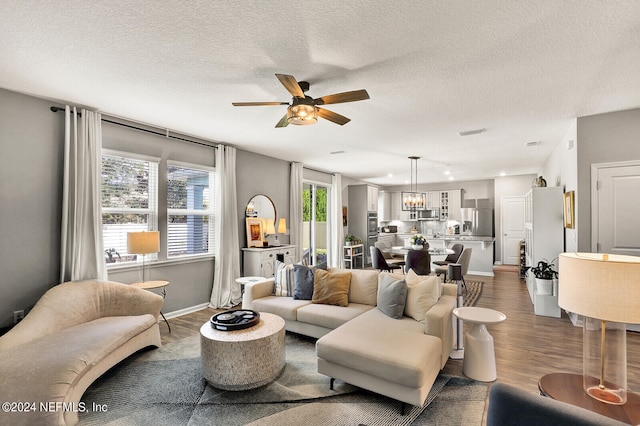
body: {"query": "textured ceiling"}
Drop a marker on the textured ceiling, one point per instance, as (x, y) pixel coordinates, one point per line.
(522, 70)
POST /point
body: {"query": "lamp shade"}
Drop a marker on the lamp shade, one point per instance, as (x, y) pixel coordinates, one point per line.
(143, 242)
(271, 228)
(282, 226)
(600, 286)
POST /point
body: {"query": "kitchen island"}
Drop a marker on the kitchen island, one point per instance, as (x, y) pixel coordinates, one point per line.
(482, 252)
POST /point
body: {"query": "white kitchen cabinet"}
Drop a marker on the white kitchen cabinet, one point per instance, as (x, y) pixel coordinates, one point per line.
(261, 262)
(385, 207)
(396, 210)
(544, 239)
(450, 204)
(372, 199)
(432, 199)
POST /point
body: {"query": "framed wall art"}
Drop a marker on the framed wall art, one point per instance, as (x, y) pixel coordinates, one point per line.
(569, 207)
(254, 232)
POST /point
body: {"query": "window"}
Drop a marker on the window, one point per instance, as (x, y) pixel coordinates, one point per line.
(190, 210)
(129, 202)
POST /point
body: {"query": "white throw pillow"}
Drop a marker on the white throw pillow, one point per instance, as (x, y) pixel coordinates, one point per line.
(423, 291)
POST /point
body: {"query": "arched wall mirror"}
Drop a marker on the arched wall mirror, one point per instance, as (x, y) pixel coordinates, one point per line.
(261, 206)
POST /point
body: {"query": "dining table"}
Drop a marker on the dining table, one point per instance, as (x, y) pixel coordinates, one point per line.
(437, 253)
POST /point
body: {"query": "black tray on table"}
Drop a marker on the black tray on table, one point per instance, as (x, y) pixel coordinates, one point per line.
(235, 320)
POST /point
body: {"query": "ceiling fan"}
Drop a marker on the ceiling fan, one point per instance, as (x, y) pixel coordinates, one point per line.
(303, 109)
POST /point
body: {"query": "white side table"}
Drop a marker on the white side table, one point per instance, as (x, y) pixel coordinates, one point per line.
(246, 280)
(479, 354)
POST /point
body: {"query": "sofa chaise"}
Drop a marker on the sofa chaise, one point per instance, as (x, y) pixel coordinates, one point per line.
(360, 343)
(74, 333)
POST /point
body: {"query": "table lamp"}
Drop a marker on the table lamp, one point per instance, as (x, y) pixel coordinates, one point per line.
(605, 289)
(143, 243)
(282, 229)
(271, 228)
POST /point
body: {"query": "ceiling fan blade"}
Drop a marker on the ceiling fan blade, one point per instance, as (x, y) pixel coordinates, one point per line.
(339, 98)
(258, 103)
(332, 116)
(289, 82)
(283, 122)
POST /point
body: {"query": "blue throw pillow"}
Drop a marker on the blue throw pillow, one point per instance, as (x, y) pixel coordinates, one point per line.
(303, 280)
(392, 296)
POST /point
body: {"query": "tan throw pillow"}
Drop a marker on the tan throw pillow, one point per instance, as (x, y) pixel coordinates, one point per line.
(423, 291)
(331, 288)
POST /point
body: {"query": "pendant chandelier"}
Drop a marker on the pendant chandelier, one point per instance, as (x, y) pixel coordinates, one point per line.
(413, 200)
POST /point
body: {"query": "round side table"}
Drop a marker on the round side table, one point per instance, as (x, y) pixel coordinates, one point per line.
(243, 359)
(479, 354)
(246, 280)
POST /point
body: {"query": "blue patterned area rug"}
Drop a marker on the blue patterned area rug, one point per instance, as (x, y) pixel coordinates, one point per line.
(165, 387)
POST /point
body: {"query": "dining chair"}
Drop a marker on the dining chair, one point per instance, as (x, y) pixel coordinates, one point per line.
(419, 261)
(379, 262)
(453, 257)
(464, 258)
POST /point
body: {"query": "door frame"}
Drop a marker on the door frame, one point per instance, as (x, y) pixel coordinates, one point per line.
(595, 168)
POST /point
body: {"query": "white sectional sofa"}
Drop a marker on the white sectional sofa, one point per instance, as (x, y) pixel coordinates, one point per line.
(362, 345)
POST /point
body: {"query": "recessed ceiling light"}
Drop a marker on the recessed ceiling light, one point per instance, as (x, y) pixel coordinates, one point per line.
(390, 175)
(450, 177)
(447, 172)
(503, 174)
(472, 132)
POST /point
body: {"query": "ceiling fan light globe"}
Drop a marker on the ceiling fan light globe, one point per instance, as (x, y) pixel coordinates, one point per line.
(302, 114)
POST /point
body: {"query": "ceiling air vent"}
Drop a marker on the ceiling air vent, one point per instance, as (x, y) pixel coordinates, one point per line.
(534, 143)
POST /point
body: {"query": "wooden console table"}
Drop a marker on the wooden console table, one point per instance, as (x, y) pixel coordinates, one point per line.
(568, 388)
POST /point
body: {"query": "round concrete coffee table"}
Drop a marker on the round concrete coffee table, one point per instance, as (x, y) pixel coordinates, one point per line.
(479, 354)
(243, 359)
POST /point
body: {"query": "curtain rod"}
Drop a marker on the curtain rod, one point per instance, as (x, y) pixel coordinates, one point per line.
(319, 171)
(166, 135)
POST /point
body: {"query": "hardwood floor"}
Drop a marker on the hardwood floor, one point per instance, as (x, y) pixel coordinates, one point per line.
(527, 346)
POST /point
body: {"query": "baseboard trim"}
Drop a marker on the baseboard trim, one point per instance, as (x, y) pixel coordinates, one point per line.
(185, 311)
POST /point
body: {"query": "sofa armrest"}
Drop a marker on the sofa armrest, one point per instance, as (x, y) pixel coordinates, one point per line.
(256, 290)
(439, 323)
(450, 290)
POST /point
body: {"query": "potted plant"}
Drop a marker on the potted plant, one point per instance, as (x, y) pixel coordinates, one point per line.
(349, 239)
(417, 241)
(544, 274)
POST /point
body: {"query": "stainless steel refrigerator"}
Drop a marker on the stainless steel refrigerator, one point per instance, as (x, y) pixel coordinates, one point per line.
(477, 222)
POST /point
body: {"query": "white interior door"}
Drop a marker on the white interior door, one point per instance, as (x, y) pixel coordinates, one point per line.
(512, 214)
(615, 208)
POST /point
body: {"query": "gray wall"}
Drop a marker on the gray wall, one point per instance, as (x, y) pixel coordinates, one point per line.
(31, 149)
(602, 138)
(259, 174)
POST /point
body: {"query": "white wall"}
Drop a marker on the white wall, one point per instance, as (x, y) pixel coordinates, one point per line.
(561, 169)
